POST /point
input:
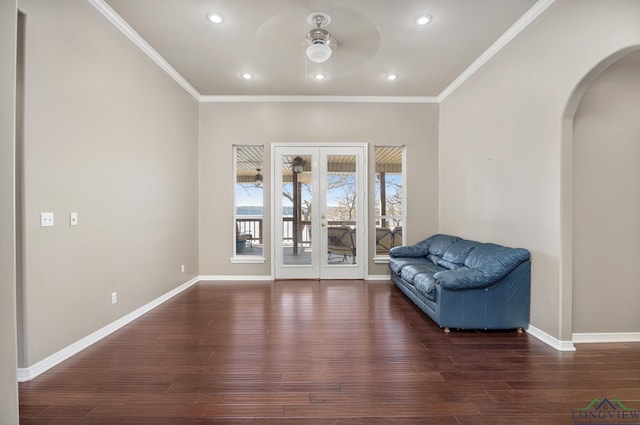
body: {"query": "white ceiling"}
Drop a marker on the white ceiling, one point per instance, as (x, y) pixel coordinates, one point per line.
(267, 39)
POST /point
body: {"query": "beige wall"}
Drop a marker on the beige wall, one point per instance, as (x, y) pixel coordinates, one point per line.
(606, 143)
(502, 157)
(8, 344)
(225, 124)
(108, 135)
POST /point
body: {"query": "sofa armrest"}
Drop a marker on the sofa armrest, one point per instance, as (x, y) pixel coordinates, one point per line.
(421, 249)
(407, 251)
(502, 305)
(462, 279)
(486, 264)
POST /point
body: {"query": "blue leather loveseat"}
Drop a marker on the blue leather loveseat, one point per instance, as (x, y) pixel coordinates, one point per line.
(465, 284)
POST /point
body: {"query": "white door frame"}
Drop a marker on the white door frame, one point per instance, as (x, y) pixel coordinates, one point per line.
(320, 269)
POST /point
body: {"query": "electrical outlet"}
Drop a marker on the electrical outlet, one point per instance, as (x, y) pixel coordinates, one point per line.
(114, 297)
(182, 268)
(46, 219)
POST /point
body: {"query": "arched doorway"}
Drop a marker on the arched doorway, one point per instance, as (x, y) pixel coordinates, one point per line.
(589, 187)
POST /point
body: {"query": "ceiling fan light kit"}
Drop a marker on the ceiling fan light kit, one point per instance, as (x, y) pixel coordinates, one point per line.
(258, 179)
(319, 38)
(318, 52)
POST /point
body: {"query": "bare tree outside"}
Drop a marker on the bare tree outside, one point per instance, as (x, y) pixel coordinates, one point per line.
(393, 199)
(342, 190)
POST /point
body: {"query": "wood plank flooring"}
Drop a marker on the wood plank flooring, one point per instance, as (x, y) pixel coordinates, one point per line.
(318, 353)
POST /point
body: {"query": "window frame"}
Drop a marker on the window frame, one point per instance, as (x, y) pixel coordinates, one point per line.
(245, 258)
(384, 258)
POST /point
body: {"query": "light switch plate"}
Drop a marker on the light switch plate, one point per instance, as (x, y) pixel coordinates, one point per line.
(73, 219)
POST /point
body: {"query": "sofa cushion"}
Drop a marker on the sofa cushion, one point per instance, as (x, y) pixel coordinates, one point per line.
(397, 264)
(425, 284)
(459, 251)
(449, 265)
(441, 243)
(434, 258)
(409, 272)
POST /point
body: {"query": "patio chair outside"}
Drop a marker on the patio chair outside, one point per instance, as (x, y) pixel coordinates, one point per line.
(342, 241)
(384, 240)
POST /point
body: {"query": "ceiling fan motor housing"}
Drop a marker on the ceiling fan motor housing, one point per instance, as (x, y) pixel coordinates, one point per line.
(319, 35)
(319, 38)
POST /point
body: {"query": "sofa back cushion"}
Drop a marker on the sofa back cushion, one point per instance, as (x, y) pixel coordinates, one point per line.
(431, 248)
(434, 258)
(440, 244)
(455, 256)
(425, 244)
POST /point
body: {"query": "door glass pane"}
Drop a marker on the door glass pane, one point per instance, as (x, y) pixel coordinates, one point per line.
(341, 214)
(296, 210)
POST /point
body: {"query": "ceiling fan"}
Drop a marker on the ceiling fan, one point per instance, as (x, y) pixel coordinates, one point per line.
(296, 165)
(347, 38)
(259, 178)
(321, 43)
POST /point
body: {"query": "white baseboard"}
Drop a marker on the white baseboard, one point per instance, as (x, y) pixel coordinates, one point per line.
(586, 338)
(233, 278)
(378, 277)
(27, 374)
(550, 340)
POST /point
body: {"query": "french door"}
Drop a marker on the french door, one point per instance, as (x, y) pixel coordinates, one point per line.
(319, 211)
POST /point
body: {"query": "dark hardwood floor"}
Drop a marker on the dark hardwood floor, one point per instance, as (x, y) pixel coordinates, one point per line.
(317, 353)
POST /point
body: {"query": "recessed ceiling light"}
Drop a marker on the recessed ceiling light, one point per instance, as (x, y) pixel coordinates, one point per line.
(423, 20)
(246, 76)
(392, 77)
(319, 77)
(214, 18)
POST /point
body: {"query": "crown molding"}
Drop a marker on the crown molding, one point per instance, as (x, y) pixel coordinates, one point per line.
(126, 29)
(524, 21)
(319, 99)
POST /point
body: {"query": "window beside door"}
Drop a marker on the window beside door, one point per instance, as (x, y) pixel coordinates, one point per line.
(390, 201)
(248, 204)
